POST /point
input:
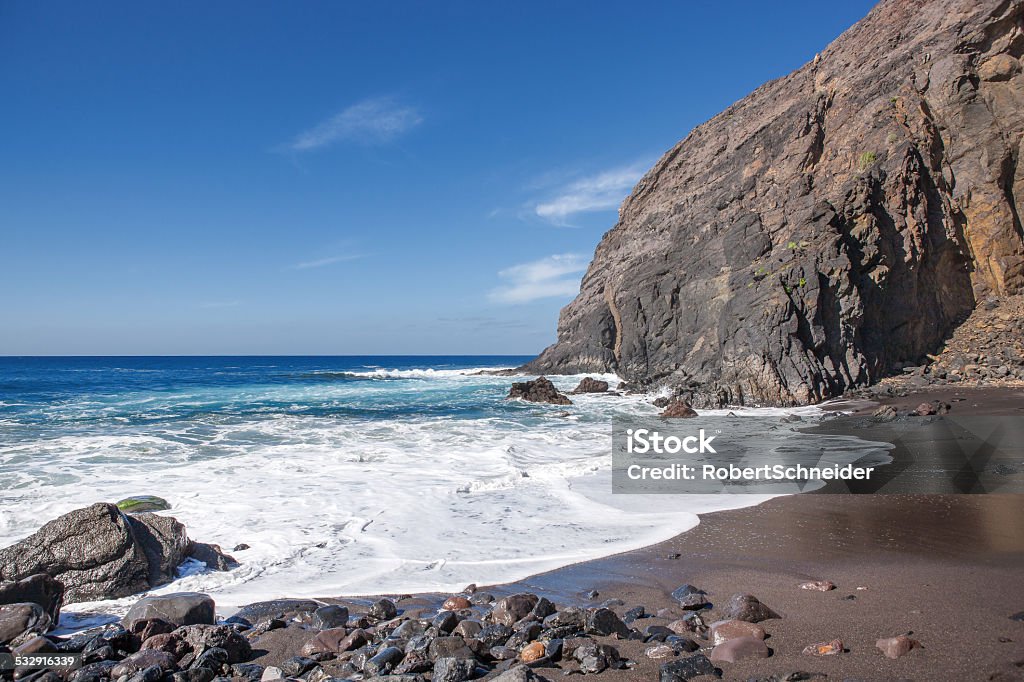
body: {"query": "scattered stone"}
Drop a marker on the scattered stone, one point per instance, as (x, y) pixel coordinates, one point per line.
(595, 658)
(679, 409)
(832, 648)
(384, 661)
(456, 604)
(687, 668)
(591, 385)
(383, 609)
(540, 390)
(531, 652)
(180, 608)
(894, 647)
(885, 413)
(511, 609)
(925, 410)
(740, 648)
(453, 669)
(747, 607)
(604, 621)
(19, 622)
(659, 651)
(519, 673)
(818, 585)
(330, 616)
(724, 630)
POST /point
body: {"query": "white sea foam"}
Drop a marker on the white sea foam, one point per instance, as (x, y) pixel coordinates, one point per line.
(354, 504)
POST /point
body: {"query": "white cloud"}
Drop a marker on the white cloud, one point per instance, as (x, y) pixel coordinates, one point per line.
(554, 276)
(370, 121)
(323, 262)
(599, 192)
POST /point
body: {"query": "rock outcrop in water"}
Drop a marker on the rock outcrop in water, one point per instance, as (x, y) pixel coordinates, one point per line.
(832, 226)
(98, 552)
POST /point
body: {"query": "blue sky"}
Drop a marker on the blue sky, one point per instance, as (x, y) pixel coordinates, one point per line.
(342, 177)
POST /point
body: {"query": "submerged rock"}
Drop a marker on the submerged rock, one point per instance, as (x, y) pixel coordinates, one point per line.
(678, 409)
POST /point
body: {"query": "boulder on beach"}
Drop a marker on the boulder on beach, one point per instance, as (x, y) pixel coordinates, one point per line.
(181, 608)
(99, 552)
(36, 589)
(540, 390)
(261, 612)
(591, 385)
(740, 648)
(747, 607)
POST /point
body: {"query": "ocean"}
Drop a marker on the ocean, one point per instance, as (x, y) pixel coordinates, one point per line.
(344, 475)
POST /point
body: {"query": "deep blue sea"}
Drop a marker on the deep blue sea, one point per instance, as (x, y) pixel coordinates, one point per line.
(344, 475)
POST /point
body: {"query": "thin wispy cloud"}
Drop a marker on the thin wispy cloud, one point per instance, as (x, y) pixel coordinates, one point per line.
(371, 121)
(324, 262)
(599, 192)
(551, 277)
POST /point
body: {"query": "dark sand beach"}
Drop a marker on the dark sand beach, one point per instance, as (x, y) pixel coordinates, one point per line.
(946, 569)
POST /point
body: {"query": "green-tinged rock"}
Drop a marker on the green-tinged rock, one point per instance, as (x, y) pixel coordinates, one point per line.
(143, 503)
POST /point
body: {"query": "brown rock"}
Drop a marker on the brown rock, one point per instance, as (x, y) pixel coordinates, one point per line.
(354, 640)
(738, 649)
(832, 648)
(531, 652)
(925, 410)
(330, 641)
(591, 385)
(1001, 67)
(455, 604)
(894, 647)
(747, 607)
(510, 609)
(724, 630)
(679, 409)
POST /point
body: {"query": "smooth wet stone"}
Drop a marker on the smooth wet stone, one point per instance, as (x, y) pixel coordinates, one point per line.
(683, 645)
(456, 603)
(724, 630)
(449, 647)
(445, 621)
(687, 668)
(739, 649)
(35, 589)
(894, 647)
(831, 648)
(513, 608)
(330, 616)
(383, 609)
(21, 621)
(818, 585)
(657, 633)
(179, 608)
(747, 607)
(281, 609)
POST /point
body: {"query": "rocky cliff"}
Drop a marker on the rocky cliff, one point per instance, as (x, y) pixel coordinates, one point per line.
(828, 228)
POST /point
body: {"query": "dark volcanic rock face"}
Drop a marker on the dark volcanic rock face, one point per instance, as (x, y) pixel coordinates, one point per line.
(834, 224)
